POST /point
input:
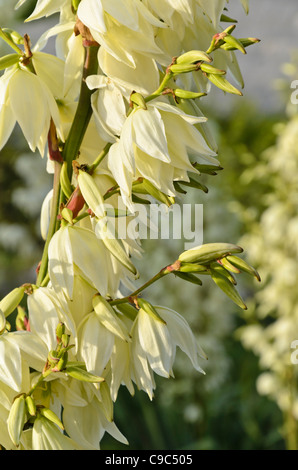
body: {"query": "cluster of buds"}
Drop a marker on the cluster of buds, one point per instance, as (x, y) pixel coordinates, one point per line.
(217, 260)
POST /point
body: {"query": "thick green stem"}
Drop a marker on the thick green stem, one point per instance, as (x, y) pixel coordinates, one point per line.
(84, 111)
(70, 151)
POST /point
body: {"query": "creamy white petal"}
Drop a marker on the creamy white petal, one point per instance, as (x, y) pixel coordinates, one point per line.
(10, 363)
(91, 13)
(61, 268)
(156, 343)
(96, 344)
(89, 256)
(182, 335)
(149, 133)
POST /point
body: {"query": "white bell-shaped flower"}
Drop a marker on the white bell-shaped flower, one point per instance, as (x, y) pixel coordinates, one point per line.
(154, 144)
(26, 98)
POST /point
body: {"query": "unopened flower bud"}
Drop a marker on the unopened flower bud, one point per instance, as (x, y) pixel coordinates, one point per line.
(244, 41)
(192, 57)
(241, 265)
(176, 69)
(65, 182)
(221, 82)
(187, 95)
(67, 215)
(10, 302)
(60, 330)
(139, 100)
(235, 43)
(17, 419)
(31, 406)
(208, 68)
(150, 310)
(83, 375)
(53, 358)
(65, 340)
(51, 416)
(22, 322)
(108, 317)
(8, 60)
(209, 252)
(228, 288)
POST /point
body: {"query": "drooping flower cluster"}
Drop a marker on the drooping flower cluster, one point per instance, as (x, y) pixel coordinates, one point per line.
(115, 113)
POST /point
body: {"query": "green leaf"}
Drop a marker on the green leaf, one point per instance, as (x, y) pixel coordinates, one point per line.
(8, 61)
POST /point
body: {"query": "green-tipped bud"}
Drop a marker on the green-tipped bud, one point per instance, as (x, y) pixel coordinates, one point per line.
(223, 271)
(139, 100)
(65, 340)
(8, 61)
(115, 248)
(229, 29)
(235, 43)
(91, 194)
(60, 330)
(53, 358)
(67, 215)
(51, 416)
(16, 37)
(243, 266)
(221, 82)
(228, 288)
(17, 419)
(83, 375)
(188, 95)
(193, 268)
(108, 317)
(208, 68)
(226, 264)
(189, 277)
(62, 363)
(177, 69)
(30, 405)
(209, 252)
(21, 319)
(65, 182)
(246, 42)
(192, 57)
(150, 310)
(11, 301)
